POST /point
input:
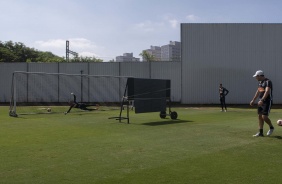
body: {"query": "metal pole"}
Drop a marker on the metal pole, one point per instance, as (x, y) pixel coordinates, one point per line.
(67, 51)
(150, 68)
(15, 95)
(81, 86)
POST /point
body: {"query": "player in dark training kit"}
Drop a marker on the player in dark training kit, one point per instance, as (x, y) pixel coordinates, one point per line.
(82, 106)
(222, 93)
(264, 93)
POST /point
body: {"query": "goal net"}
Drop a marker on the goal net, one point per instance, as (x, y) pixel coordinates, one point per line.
(40, 92)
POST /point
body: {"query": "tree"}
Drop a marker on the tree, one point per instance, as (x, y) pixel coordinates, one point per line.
(86, 59)
(18, 52)
(146, 56)
(6, 55)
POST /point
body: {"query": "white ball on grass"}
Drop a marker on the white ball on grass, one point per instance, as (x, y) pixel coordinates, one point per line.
(49, 109)
(279, 122)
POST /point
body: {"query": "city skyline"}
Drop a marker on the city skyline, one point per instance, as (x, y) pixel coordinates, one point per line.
(104, 29)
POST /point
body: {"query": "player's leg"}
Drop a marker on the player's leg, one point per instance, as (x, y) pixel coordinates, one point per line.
(261, 122)
(71, 106)
(266, 110)
(224, 104)
(69, 109)
(221, 103)
(86, 107)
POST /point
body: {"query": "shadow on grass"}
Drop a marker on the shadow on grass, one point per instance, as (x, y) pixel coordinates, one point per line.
(277, 137)
(157, 123)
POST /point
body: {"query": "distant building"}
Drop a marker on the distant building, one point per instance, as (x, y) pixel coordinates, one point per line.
(171, 52)
(127, 57)
(155, 51)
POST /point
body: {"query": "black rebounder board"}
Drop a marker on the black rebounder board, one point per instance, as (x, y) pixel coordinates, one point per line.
(149, 95)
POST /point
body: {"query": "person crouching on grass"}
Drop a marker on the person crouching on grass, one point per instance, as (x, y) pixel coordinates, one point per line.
(264, 93)
(82, 106)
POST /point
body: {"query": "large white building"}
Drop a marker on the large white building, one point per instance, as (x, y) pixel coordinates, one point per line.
(154, 51)
(171, 52)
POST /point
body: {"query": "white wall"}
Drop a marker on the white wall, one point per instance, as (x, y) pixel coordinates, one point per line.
(60, 89)
(211, 54)
(229, 54)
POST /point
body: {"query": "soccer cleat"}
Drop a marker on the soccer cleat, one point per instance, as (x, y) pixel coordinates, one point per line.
(270, 131)
(258, 135)
(225, 110)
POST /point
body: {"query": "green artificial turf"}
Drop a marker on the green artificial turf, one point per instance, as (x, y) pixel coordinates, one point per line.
(203, 145)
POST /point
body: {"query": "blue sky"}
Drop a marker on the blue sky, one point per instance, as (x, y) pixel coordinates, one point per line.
(109, 28)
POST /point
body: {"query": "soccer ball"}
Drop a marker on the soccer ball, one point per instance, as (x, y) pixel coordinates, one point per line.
(279, 122)
(48, 109)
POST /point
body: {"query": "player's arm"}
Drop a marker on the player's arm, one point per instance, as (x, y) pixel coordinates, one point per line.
(255, 97)
(226, 92)
(266, 94)
(74, 97)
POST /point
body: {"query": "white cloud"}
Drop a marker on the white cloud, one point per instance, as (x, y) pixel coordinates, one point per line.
(51, 43)
(80, 45)
(174, 23)
(192, 18)
(88, 54)
(148, 26)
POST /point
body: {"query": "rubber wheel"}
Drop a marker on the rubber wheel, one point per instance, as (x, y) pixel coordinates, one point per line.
(162, 114)
(173, 115)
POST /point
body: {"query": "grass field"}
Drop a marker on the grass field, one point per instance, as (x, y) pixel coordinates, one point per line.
(202, 146)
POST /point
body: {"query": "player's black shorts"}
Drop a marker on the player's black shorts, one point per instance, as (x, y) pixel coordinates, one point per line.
(265, 108)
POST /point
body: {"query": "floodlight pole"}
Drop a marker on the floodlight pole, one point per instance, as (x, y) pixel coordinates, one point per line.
(68, 52)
